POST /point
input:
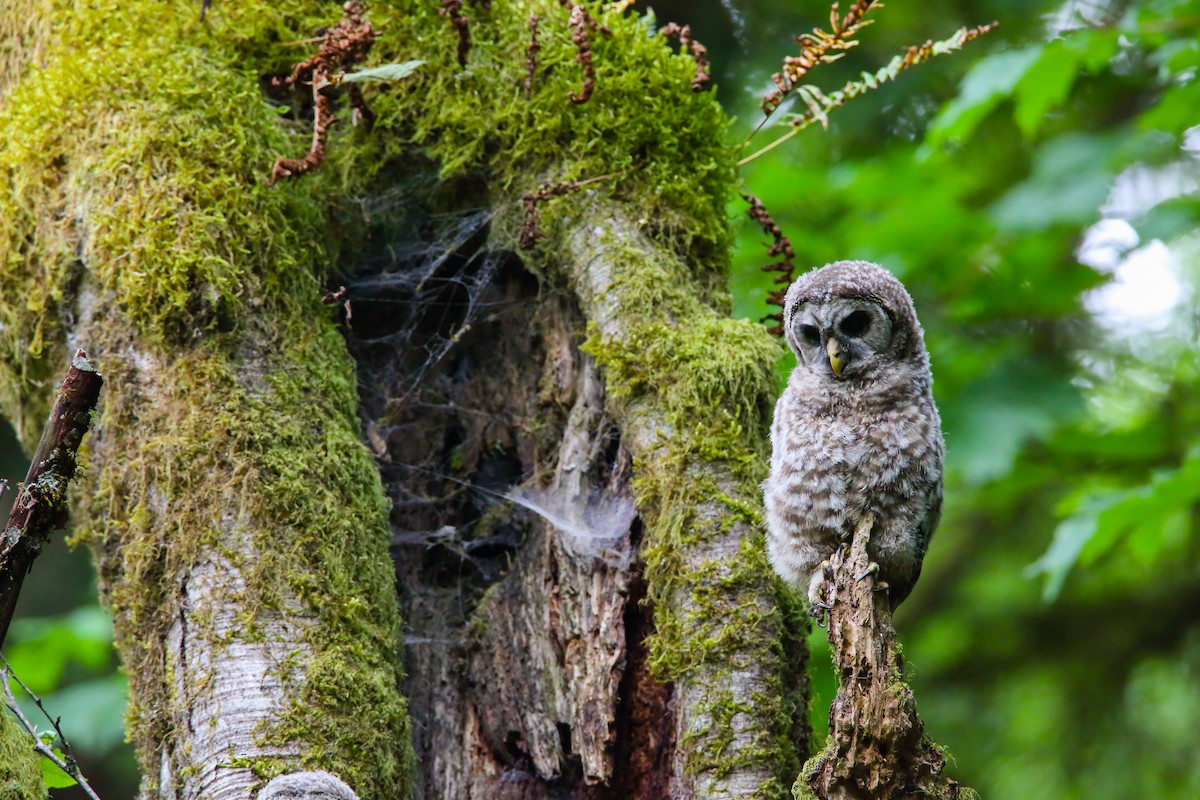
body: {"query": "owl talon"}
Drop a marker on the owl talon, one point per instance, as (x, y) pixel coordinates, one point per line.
(872, 569)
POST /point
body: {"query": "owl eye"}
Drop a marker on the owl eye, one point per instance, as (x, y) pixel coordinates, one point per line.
(810, 334)
(856, 324)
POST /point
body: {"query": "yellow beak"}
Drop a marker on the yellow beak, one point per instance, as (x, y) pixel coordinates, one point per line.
(836, 362)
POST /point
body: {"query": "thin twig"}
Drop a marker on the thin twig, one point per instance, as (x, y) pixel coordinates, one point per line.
(67, 765)
(531, 230)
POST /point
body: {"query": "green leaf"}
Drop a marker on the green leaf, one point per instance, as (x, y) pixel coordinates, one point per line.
(1070, 537)
(989, 82)
(1044, 85)
(387, 72)
(1144, 516)
(40, 649)
(1175, 111)
(54, 777)
(994, 417)
(92, 712)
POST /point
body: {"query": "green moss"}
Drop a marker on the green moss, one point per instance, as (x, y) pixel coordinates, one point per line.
(20, 768)
(317, 527)
(147, 175)
(709, 380)
(139, 174)
(642, 121)
(677, 351)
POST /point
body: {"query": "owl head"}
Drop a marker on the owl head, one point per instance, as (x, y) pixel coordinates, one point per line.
(848, 319)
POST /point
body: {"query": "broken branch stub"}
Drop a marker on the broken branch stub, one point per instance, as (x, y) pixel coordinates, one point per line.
(877, 748)
(41, 503)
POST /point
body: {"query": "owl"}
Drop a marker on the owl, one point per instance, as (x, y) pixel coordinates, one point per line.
(855, 431)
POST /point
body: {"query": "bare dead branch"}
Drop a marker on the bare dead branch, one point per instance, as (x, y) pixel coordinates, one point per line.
(41, 504)
(877, 746)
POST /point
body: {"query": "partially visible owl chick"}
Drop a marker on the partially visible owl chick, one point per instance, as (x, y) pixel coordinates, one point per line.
(855, 432)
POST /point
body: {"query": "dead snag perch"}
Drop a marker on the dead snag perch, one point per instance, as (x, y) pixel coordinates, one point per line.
(877, 747)
(41, 504)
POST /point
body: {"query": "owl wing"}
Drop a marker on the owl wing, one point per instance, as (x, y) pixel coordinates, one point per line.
(900, 589)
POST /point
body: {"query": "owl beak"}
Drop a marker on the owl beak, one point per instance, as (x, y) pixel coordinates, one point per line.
(836, 360)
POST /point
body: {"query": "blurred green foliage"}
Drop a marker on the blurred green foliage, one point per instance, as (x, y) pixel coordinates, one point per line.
(1037, 193)
(60, 646)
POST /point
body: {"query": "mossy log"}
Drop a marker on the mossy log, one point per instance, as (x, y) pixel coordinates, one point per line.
(238, 519)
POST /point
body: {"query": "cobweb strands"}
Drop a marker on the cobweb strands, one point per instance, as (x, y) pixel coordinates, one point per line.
(416, 298)
(513, 526)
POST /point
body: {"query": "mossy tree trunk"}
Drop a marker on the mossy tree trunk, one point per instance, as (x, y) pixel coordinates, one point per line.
(573, 480)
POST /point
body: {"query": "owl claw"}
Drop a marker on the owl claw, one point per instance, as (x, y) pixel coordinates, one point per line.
(872, 569)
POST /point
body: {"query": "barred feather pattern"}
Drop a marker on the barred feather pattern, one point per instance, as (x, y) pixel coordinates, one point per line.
(861, 439)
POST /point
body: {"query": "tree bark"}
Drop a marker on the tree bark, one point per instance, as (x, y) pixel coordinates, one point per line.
(573, 482)
(877, 747)
(40, 507)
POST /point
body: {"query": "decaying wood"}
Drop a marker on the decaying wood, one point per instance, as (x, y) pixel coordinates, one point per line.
(877, 748)
(41, 504)
(596, 259)
(525, 676)
(516, 540)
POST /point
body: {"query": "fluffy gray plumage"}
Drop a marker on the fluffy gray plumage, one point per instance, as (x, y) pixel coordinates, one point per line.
(865, 441)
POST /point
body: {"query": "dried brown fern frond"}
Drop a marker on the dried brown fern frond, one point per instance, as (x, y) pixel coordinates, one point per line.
(343, 45)
(819, 47)
(820, 104)
(699, 53)
(780, 246)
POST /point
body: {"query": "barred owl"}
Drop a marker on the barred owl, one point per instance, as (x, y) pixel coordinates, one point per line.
(855, 431)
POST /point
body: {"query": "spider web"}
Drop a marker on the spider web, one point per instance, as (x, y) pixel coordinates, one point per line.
(416, 296)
